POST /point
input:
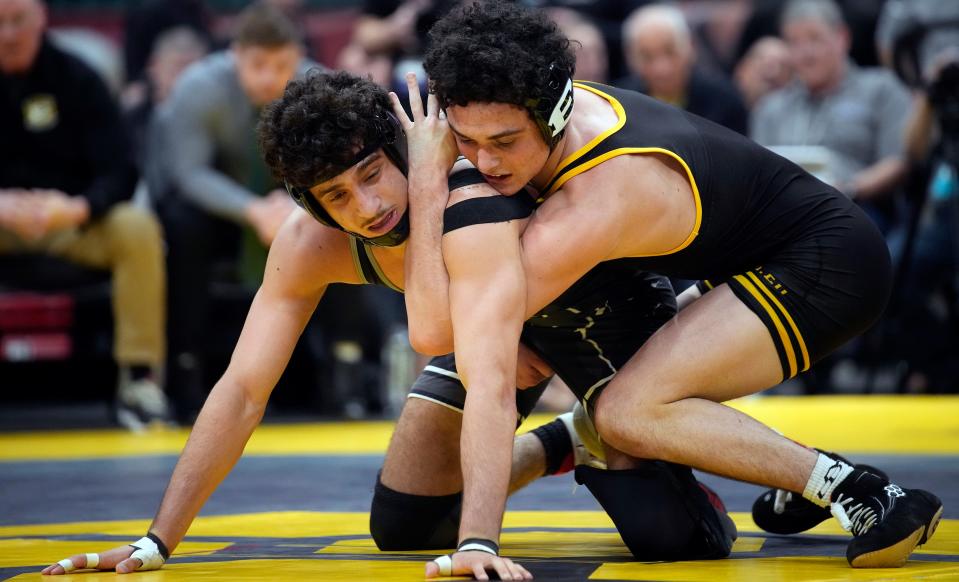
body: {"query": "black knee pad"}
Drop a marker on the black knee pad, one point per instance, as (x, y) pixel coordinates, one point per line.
(400, 521)
(661, 512)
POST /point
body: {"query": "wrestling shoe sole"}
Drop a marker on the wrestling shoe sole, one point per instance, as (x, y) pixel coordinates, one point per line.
(896, 551)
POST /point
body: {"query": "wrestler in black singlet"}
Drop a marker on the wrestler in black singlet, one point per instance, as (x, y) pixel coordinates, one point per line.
(796, 251)
(585, 335)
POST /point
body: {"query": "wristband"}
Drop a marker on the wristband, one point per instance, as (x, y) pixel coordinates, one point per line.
(480, 545)
(160, 545)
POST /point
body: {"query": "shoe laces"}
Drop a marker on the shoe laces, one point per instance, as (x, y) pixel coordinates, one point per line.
(855, 516)
(782, 498)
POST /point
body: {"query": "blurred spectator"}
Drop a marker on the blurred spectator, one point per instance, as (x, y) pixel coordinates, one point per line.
(766, 67)
(926, 313)
(848, 121)
(214, 193)
(861, 17)
(592, 59)
(145, 23)
(65, 175)
(389, 40)
(921, 38)
(933, 21)
(717, 26)
(96, 50)
(355, 59)
(295, 11)
(660, 55)
(390, 26)
(607, 15)
(175, 50)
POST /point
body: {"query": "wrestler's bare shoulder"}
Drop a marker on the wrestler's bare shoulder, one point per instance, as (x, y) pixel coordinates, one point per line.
(307, 253)
(630, 190)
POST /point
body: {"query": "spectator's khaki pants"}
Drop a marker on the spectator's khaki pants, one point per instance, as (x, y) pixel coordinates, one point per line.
(127, 241)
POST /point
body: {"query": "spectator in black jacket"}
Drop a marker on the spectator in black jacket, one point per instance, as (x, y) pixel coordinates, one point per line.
(64, 181)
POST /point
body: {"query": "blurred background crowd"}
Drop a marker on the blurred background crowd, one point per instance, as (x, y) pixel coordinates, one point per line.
(136, 211)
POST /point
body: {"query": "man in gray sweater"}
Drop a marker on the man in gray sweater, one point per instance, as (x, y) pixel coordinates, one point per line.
(212, 189)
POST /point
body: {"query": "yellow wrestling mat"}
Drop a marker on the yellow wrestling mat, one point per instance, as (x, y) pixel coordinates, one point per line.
(570, 539)
(852, 424)
(916, 436)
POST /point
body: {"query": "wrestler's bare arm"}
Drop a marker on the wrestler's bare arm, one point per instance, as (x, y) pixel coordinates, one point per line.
(302, 261)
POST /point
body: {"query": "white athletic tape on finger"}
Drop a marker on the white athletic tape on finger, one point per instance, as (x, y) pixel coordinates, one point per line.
(148, 553)
(67, 565)
(93, 560)
(446, 565)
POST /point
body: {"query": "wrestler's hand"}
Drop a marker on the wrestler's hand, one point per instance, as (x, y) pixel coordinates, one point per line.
(530, 368)
(117, 558)
(475, 563)
(430, 143)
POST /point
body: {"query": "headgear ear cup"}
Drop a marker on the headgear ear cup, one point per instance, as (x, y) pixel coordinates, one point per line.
(395, 145)
(305, 200)
(552, 108)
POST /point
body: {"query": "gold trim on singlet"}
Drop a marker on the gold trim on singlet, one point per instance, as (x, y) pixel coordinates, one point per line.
(789, 319)
(780, 329)
(379, 272)
(354, 251)
(561, 177)
(620, 122)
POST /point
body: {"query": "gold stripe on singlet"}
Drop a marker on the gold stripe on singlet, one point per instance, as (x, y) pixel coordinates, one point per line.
(563, 175)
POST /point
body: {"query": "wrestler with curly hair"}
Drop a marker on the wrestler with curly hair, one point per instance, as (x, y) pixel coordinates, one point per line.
(334, 141)
(790, 269)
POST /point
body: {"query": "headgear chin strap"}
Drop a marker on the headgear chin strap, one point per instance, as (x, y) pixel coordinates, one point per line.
(394, 146)
(552, 108)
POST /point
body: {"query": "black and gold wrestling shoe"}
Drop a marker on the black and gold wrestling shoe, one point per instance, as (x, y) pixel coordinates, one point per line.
(784, 513)
(887, 525)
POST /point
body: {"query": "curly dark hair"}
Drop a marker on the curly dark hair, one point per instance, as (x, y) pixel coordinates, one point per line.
(494, 52)
(315, 130)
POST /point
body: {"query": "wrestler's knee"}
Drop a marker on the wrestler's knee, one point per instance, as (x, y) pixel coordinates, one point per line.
(661, 512)
(628, 424)
(402, 521)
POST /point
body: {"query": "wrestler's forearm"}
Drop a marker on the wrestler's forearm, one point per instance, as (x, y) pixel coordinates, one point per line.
(221, 432)
(489, 421)
(486, 295)
(427, 281)
(487, 366)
